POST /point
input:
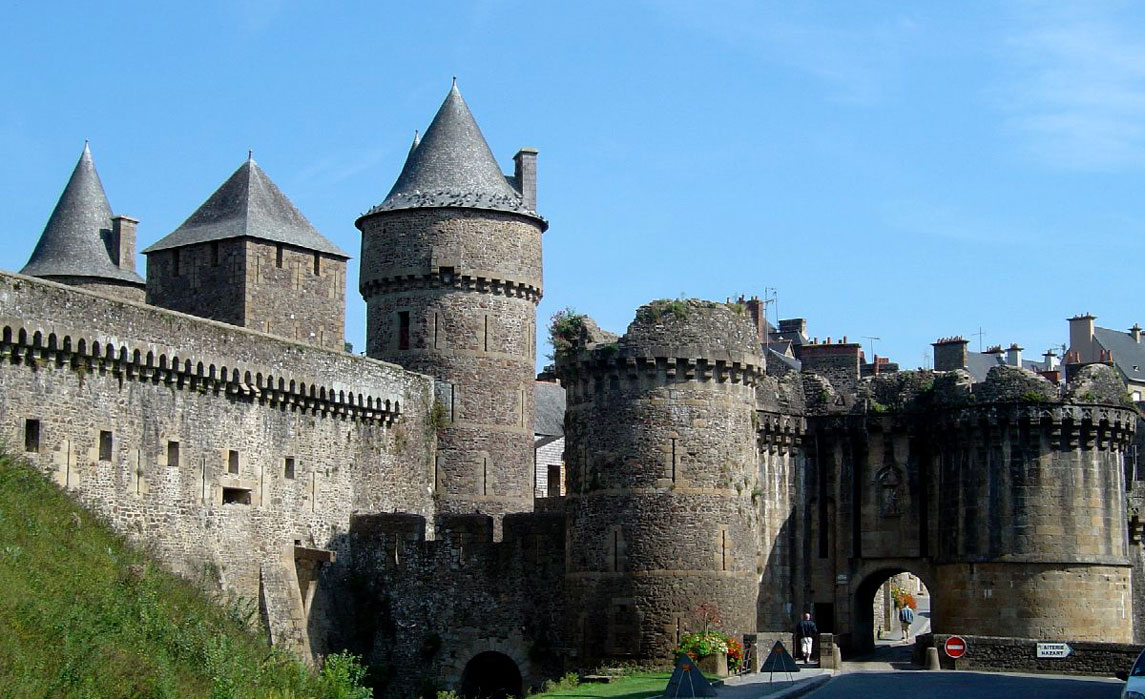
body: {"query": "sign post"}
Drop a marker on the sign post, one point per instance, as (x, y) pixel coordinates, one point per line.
(1054, 650)
(955, 647)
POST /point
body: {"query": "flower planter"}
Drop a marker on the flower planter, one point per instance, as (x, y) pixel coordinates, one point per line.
(715, 664)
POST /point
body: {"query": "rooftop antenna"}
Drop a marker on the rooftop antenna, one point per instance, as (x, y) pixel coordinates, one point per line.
(873, 341)
(770, 296)
(980, 334)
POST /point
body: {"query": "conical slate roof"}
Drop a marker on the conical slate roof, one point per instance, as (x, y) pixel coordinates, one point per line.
(248, 205)
(452, 166)
(72, 243)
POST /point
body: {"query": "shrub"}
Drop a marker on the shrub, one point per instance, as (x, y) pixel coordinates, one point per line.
(341, 678)
(565, 329)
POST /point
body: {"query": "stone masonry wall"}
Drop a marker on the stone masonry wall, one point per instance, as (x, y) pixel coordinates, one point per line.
(218, 447)
(204, 280)
(295, 293)
(442, 602)
(123, 292)
(263, 286)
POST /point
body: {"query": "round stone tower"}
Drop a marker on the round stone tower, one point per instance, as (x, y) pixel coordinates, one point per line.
(1032, 538)
(661, 457)
(451, 275)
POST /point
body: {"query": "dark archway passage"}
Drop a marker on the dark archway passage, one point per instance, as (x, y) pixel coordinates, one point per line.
(491, 675)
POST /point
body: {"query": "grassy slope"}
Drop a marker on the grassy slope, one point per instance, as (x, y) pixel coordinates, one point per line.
(82, 614)
(634, 686)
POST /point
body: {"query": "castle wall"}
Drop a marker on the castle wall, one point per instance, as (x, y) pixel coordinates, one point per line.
(452, 293)
(122, 292)
(219, 448)
(778, 499)
(447, 600)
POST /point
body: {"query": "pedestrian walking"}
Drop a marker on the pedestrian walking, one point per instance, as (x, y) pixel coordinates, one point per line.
(806, 631)
(906, 618)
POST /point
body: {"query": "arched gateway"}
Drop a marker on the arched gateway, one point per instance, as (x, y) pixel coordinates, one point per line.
(491, 675)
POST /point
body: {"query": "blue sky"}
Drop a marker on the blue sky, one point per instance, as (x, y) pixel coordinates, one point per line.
(895, 170)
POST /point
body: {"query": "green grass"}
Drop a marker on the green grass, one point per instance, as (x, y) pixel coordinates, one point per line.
(635, 686)
(83, 614)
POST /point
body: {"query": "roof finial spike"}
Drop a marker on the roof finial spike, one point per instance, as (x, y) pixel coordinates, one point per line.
(455, 81)
(250, 154)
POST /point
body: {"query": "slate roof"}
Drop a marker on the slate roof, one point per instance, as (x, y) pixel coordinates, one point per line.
(452, 166)
(791, 362)
(248, 205)
(548, 409)
(980, 363)
(72, 243)
(1127, 354)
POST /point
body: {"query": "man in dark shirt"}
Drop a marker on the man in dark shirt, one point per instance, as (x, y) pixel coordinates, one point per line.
(806, 631)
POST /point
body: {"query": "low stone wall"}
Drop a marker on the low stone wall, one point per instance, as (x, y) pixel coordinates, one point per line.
(1004, 654)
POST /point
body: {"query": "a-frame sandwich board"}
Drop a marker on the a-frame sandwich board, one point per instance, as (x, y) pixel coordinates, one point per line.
(688, 681)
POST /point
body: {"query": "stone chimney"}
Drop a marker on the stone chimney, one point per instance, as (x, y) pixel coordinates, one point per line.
(1014, 355)
(1081, 338)
(1051, 360)
(1135, 333)
(796, 326)
(949, 353)
(121, 243)
(525, 173)
(755, 311)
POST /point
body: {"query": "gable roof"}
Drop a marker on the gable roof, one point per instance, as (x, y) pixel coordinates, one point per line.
(72, 244)
(248, 205)
(1127, 353)
(452, 166)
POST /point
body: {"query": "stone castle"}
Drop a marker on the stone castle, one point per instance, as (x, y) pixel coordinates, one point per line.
(386, 504)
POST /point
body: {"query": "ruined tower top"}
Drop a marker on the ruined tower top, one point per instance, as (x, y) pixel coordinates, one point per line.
(80, 240)
(452, 166)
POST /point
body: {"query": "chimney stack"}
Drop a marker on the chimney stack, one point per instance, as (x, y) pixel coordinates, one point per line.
(121, 246)
(525, 173)
(1014, 355)
(1081, 337)
(1135, 333)
(950, 353)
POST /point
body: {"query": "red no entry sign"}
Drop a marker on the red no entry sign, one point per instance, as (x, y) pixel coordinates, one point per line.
(955, 647)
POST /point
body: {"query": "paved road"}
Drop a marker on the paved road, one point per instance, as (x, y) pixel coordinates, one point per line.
(961, 685)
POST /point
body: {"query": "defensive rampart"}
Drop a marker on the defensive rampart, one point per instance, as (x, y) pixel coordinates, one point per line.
(237, 456)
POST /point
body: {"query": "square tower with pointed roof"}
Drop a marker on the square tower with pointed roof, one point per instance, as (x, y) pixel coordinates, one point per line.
(248, 257)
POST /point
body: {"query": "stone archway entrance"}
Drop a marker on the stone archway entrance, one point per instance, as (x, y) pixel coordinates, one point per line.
(491, 675)
(863, 607)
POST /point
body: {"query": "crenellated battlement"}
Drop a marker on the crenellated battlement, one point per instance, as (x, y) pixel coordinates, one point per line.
(1069, 425)
(445, 279)
(602, 369)
(172, 348)
(779, 433)
(458, 539)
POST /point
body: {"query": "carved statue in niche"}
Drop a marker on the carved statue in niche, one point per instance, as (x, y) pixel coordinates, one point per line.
(889, 479)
